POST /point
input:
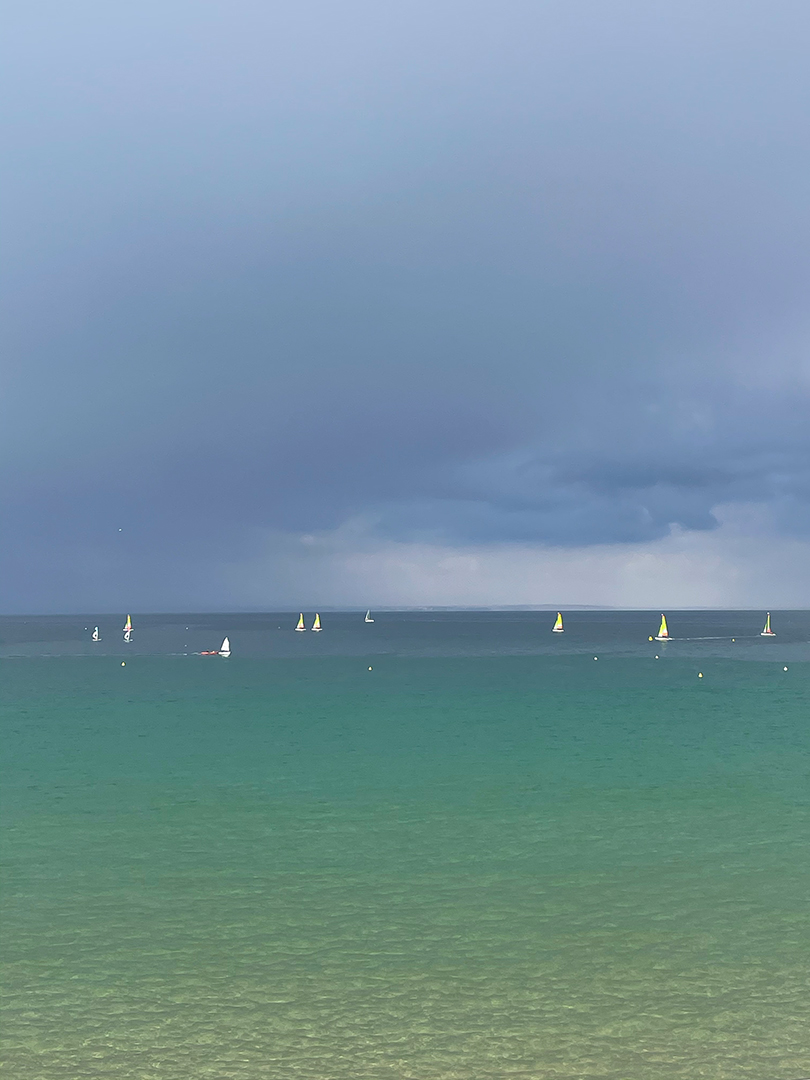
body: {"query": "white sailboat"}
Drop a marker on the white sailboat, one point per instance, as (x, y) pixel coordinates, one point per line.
(766, 631)
(300, 626)
(663, 633)
(128, 629)
(316, 626)
(368, 617)
(225, 648)
(96, 635)
(557, 628)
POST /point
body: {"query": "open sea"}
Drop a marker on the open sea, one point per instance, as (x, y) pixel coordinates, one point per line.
(442, 846)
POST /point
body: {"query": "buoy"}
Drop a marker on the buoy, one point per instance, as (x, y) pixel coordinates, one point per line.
(649, 638)
(784, 669)
(700, 674)
(370, 669)
(596, 658)
(656, 656)
(733, 639)
(123, 663)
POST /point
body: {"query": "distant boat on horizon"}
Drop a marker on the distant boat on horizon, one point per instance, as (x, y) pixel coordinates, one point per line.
(557, 628)
(316, 626)
(96, 635)
(368, 617)
(663, 633)
(767, 632)
(300, 626)
(128, 629)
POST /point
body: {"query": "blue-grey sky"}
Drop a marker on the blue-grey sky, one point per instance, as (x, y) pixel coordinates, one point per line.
(408, 303)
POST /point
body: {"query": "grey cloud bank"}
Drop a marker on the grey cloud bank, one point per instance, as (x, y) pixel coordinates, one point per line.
(458, 303)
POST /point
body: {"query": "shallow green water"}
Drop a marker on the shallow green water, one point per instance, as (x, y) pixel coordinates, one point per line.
(481, 865)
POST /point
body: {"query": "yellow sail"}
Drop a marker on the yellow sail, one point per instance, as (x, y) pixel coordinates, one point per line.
(558, 625)
(767, 632)
(301, 622)
(128, 623)
(663, 633)
(317, 624)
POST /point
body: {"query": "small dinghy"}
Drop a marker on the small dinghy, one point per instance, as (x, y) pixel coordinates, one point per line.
(766, 631)
(663, 633)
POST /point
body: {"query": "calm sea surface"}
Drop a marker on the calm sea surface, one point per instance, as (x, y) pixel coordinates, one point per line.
(488, 856)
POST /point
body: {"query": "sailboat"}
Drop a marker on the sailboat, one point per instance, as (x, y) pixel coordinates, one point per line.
(557, 628)
(368, 617)
(300, 626)
(96, 634)
(767, 632)
(316, 626)
(663, 633)
(128, 629)
(225, 648)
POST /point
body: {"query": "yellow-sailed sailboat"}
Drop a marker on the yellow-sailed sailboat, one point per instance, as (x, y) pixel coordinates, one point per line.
(128, 629)
(767, 632)
(300, 622)
(316, 626)
(557, 628)
(663, 633)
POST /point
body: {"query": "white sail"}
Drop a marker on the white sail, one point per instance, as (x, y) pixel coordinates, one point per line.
(127, 635)
(96, 634)
(368, 617)
(225, 648)
(766, 630)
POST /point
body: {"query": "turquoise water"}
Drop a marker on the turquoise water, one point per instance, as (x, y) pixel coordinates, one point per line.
(489, 856)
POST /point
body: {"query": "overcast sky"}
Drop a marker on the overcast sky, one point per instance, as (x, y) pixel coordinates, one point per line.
(427, 303)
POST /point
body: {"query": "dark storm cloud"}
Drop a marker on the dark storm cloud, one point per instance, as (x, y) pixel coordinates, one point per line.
(463, 273)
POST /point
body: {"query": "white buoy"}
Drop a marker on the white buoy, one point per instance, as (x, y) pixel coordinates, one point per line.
(123, 662)
(596, 658)
(370, 669)
(784, 669)
(700, 674)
